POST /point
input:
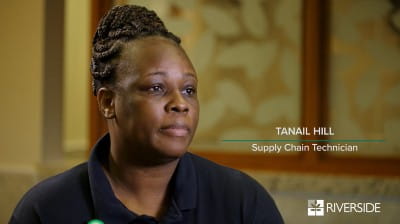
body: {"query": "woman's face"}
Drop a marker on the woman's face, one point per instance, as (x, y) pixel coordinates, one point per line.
(156, 106)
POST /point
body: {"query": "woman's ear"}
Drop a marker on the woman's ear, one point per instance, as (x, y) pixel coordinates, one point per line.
(106, 102)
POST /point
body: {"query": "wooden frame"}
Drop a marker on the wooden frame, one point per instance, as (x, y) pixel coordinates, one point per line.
(97, 126)
(314, 110)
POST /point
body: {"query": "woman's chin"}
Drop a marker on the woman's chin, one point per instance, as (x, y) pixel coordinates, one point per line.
(174, 148)
(173, 152)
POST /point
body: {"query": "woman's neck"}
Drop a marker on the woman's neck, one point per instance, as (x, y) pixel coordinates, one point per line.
(142, 189)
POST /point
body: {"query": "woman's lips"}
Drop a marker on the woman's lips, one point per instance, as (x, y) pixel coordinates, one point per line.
(175, 130)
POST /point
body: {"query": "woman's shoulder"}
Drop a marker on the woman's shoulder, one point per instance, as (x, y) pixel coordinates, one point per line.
(214, 172)
(54, 194)
(234, 191)
(61, 183)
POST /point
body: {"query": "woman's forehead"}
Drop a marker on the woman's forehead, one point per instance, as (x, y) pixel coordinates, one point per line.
(149, 44)
(152, 55)
(154, 51)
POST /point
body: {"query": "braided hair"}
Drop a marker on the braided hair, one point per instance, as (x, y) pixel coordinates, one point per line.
(120, 25)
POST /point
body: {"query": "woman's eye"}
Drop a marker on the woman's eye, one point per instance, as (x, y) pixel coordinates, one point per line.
(156, 88)
(190, 91)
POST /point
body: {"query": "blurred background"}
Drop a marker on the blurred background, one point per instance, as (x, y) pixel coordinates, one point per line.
(261, 64)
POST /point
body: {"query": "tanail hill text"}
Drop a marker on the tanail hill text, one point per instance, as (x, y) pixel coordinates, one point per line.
(304, 131)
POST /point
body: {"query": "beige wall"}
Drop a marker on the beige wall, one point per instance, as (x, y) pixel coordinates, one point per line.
(21, 80)
(21, 63)
(76, 75)
(30, 115)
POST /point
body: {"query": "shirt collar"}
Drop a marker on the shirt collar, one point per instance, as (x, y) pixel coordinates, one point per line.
(185, 183)
(108, 207)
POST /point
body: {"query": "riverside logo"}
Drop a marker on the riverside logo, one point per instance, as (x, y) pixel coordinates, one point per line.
(320, 208)
(315, 207)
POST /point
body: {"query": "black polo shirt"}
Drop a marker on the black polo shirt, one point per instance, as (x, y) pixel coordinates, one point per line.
(203, 192)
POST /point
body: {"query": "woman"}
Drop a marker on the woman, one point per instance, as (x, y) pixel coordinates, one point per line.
(141, 172)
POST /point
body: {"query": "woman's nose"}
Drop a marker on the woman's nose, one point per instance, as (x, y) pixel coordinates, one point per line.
(177, 103)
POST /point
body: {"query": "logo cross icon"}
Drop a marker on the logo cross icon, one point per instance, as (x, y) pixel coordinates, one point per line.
(315, 207)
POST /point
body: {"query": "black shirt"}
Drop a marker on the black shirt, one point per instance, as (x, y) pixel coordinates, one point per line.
(202, 192)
